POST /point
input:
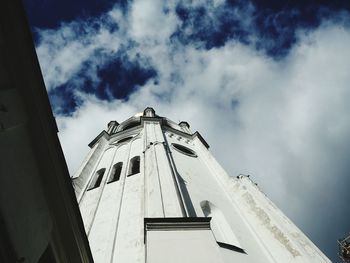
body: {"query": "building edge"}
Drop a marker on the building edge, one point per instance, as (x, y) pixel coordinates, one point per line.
(46, 224)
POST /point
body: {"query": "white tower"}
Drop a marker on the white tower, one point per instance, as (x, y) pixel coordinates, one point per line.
(150, 191)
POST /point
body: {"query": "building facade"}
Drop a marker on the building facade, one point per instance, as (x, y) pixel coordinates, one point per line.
(150, 191)
(40, 221)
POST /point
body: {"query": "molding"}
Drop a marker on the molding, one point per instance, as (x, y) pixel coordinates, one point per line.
(97, 138)
(154, 119)
(199, 136)
(189, 136)
(177, 223)
(163, 122)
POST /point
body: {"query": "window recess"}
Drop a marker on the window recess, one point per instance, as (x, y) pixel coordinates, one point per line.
(134, 166)
(96, 180)
(115, 174)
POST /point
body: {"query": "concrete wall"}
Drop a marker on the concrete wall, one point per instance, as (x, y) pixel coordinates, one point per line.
(185, 246)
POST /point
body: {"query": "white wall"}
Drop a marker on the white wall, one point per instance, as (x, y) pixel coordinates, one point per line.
(171, 185)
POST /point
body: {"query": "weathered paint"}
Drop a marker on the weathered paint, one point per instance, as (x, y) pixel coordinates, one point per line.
(174, 184)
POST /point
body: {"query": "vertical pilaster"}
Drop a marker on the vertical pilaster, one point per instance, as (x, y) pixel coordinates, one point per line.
(171, 200)
(161, 195)
(153, 198)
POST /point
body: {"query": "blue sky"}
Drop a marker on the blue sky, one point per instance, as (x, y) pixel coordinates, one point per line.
(265, 82)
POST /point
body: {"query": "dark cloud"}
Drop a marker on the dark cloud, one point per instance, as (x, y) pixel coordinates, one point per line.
(116, 79)
(51, 13)
(273, 22)
(119, 78)
(64, 100)
(210, 27)
(278, 21)
(269, 25)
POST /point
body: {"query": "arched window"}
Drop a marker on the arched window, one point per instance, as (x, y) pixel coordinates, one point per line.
(134, 165)
(131, 125)
(96, 180)
(125, 139)
(115, 174)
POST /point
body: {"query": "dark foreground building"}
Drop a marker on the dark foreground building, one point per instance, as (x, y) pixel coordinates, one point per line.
(39, 216)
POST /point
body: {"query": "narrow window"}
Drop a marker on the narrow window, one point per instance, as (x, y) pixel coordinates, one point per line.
(134, 166)
(96, 180)
(116, 171)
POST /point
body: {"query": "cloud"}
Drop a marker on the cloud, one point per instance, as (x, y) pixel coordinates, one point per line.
(62, 53)
(283, 120)
(151, 21)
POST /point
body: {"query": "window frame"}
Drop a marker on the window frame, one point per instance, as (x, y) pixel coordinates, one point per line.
(112, 178)
(97, 179)
(187, 151)
(132, 162)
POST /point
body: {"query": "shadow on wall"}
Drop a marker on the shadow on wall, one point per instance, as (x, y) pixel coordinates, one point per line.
(221, 229)
(186, 196)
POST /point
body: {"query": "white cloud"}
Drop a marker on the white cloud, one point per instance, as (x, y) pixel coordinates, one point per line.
(151, 21)
(62, 52)
(285, 122)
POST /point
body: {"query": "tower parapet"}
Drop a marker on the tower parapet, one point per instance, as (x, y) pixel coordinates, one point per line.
(112, 126)
(149, 112)
(185, 126)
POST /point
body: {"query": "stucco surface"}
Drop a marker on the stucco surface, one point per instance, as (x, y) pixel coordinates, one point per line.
(245, 225)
